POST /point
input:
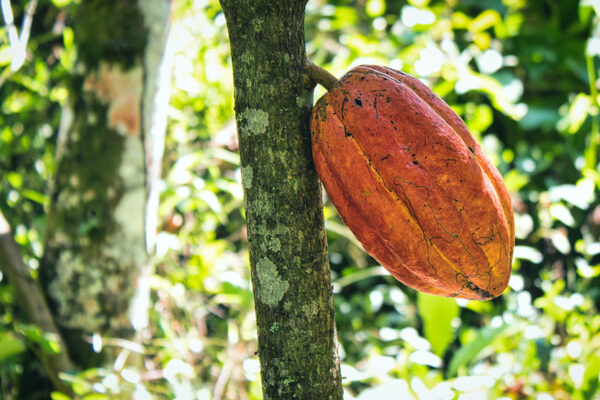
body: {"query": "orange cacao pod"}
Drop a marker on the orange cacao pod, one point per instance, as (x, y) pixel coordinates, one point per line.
(411, 182)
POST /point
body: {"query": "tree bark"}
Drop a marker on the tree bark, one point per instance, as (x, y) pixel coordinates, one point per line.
(288, 254)
(95, 249)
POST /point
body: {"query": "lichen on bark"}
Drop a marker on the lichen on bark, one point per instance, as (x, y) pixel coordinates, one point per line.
(272, 288)
(256, 120)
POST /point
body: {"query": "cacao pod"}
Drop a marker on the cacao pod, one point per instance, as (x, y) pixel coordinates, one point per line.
(413, 185)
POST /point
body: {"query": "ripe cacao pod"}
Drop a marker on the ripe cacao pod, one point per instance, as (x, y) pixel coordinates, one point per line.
(413, 185)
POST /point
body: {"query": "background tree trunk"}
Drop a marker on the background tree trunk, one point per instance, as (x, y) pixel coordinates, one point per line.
(288, 254)
(96, 227)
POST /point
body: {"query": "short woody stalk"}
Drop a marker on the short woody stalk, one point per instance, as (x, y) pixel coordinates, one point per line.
(321, 76)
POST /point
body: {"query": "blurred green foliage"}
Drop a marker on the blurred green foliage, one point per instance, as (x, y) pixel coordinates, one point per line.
(524, 77)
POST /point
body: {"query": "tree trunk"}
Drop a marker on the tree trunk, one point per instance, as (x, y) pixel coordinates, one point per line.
(95, 232)
(288, 254)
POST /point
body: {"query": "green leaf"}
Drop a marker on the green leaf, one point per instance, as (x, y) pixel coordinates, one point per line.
(50, 343)
(515, 180)
(437, 314)
(344, 17)
(578, 113)
(469, 351)
(62, 3)
(96, 396)
(480, 118)
(485, 20)
(460, 20)
(32, 332)
(68, 38)
(17, 102)
(590, 378)
(5, 55)
(585, 270)
(59, 396)
(15, 179)
(10, 346)
(375, 8)
(34, 196)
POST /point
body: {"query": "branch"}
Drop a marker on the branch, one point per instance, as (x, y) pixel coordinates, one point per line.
(33, 302)
(9, 20)
(18, 44)
(19, 59)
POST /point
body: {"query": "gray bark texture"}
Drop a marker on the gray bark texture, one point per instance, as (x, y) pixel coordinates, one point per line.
(288, 251)
(95, 263)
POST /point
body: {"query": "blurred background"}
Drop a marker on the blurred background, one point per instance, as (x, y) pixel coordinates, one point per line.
(523, 76)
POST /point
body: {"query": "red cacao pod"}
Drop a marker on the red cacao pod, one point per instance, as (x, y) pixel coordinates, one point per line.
(413, 185)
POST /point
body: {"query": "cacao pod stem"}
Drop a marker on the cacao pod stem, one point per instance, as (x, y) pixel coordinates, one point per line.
(320, 76)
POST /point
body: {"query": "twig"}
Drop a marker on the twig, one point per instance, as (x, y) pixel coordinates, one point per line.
(223, 378)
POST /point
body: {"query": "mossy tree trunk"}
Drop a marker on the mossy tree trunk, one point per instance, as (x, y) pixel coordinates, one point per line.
(288, 255)
(95, 247)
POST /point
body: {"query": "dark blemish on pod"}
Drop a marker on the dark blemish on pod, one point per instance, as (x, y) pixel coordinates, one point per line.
(358, 102)
(415, 163)
(471, 150)
(386, 157)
